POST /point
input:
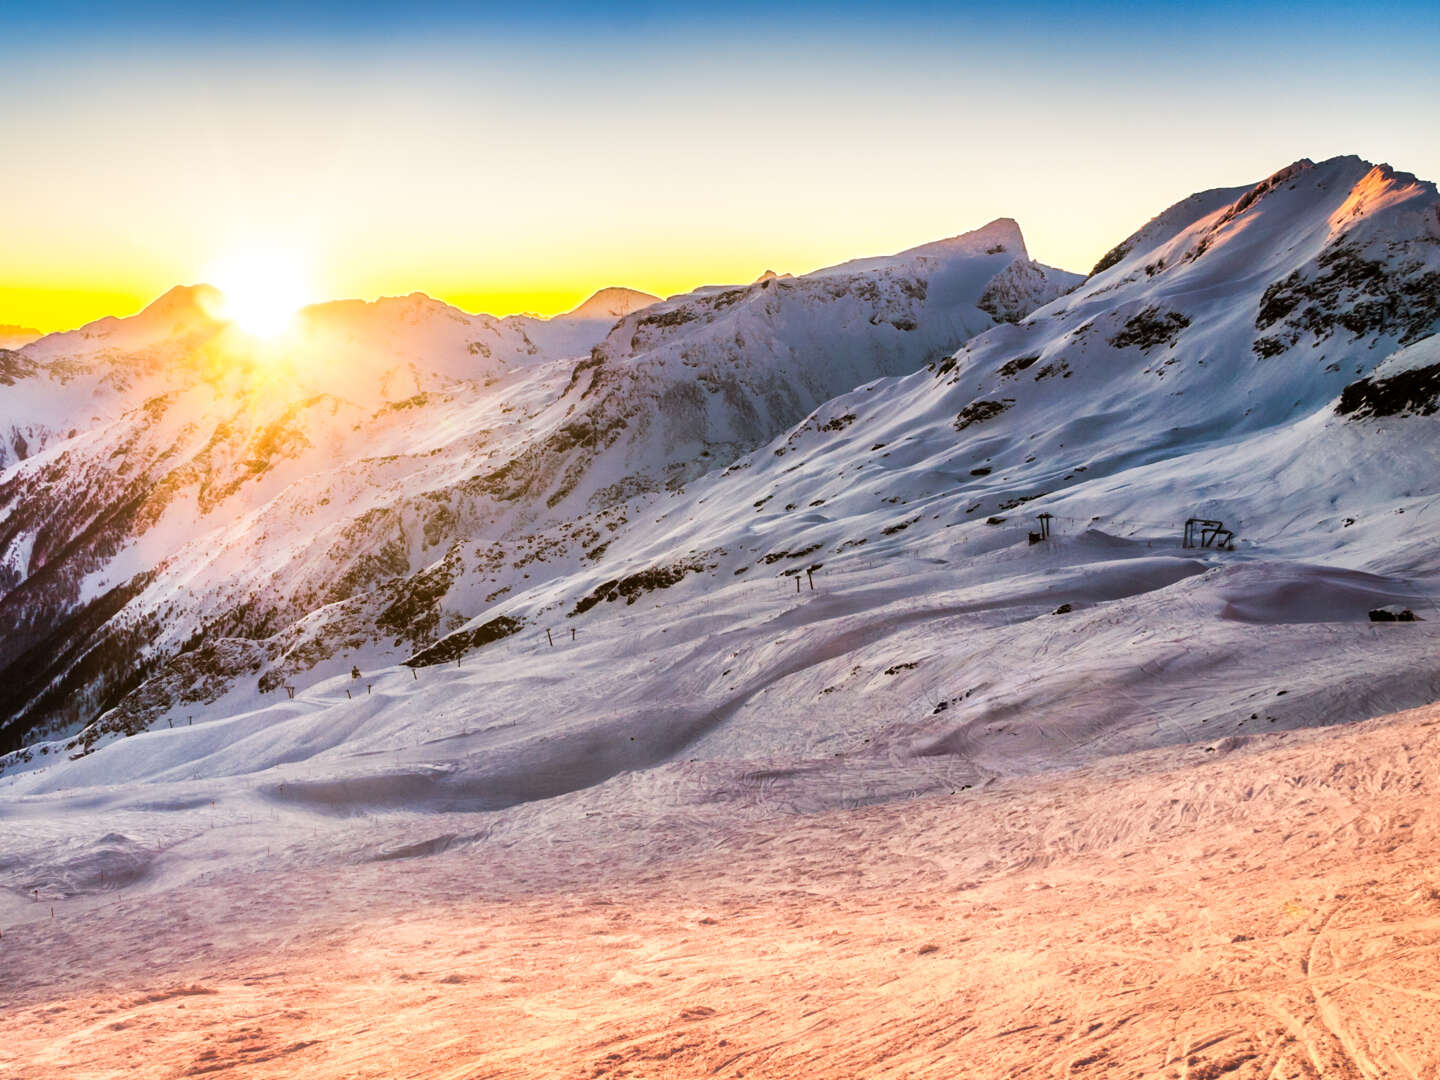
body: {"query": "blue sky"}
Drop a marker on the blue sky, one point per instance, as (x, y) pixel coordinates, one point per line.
(508, 156)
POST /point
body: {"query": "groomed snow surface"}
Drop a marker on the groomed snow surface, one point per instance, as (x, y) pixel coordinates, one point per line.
(1253, 907)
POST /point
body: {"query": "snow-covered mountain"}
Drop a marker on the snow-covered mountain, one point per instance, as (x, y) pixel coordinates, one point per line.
(692, 382)
(187, 508)
(600, 564)
(612, 302)
(388, 350)
(129, 439)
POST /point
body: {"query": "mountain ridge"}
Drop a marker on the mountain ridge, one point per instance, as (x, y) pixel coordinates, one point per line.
(405, 415)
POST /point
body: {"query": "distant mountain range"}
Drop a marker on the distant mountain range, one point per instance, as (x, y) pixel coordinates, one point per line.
(13, 337)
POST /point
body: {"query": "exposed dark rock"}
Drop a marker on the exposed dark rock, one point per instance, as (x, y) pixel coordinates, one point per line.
(1360, 295)
(678, 317)
(1410, 393)
(81, 666)
(196, 676)
(1014, 367)
(1150, 328)
(633, 586)
(415, 611)
(901, 526)
(1109, 259)
(978, 411)
(776, 556)
(1267, 347)
(597, 359)
(1021, 500)
(15, 365)
(456, 645)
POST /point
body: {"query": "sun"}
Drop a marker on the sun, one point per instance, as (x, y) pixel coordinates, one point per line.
(260, 291)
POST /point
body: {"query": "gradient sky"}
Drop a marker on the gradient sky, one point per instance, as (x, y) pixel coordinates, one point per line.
(507, 160)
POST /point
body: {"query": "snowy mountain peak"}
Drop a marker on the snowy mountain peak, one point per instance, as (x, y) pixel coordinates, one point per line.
(1340, 200)
(410, 309)
(1383, 188)
(183, 300)
(612, 302)
(183, 305)
(1289, 172)
(985, 250)
(181, 312)
(182, 309)
(1000, 237)
(1266, 186)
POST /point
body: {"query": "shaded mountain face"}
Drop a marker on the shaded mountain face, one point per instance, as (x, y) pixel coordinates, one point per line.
(186, 510)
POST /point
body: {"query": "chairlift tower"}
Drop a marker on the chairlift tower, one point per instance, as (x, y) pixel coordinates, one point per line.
(1204, 532)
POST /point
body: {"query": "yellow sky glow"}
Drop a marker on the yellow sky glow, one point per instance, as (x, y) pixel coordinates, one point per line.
(504, 183)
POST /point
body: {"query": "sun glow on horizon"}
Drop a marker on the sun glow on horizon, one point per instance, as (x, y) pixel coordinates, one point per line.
(260, 291)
